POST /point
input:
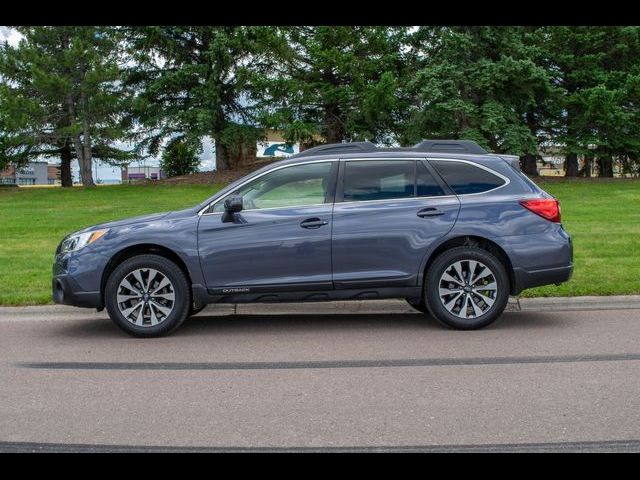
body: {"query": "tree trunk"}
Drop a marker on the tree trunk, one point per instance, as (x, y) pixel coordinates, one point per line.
(605, 166)
(571, 165)
(571, 159)
(246, 154)
(333, 134)
(85, 167)
(87, 172)
(222, 160)
(87, 154)
(529, 164)
(66, 155)
(586, 168)
(625, 165)
(334, 131)
(529, 161)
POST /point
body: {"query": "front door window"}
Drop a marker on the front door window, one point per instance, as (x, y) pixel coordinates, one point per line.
(294, 186)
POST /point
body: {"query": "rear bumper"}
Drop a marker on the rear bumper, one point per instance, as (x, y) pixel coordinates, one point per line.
(539, 259)
(535, 278)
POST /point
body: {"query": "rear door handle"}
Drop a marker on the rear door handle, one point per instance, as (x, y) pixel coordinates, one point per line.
(429, 212)
(313, 223)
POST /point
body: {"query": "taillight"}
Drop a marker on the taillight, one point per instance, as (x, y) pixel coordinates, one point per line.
(547, 208)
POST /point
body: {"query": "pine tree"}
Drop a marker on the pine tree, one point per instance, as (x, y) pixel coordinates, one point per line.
(334, 84)
(479, 83)
(60, 95)
(193, 82)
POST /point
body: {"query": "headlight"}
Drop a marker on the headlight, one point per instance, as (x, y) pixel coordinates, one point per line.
(79, 240)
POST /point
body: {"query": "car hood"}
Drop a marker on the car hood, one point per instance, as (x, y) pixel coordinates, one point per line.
(128, 221)
(142, 219)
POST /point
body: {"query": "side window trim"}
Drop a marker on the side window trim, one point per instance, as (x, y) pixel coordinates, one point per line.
(443, 185)
(482, 167)
(339, 197)
(330, 194)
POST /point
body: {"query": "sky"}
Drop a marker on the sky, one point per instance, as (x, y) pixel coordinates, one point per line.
(104, 171)
(10, 35)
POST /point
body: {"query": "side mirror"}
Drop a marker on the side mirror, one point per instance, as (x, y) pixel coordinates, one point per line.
(232, 205)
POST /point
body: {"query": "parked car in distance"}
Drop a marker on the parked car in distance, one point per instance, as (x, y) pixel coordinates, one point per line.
(445, 225)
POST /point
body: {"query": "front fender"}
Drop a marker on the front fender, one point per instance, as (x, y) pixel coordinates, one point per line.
(178, 235)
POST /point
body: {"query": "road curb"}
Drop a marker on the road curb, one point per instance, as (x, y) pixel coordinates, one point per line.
(391, 306)
(613, 302)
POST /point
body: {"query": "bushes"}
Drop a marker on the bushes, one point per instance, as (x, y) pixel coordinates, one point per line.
(180, 157)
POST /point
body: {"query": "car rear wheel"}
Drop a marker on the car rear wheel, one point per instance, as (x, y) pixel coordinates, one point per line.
(148, 296)
(466, 288)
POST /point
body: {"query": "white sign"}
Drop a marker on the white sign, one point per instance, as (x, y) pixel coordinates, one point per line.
(277, 149)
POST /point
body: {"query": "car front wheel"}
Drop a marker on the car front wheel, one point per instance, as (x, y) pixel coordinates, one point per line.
(148, 296)
(466, 288)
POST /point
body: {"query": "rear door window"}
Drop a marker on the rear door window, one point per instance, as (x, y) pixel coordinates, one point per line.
(378, 180)
(465, 178)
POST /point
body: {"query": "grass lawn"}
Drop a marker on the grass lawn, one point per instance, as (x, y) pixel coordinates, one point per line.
(603, 218)
(34, 220)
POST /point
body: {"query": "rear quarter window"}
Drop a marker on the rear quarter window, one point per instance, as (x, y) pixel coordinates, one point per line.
(465, 178)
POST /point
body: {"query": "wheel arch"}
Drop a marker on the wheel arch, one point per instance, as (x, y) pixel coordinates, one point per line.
(472, 241)
(141, 249)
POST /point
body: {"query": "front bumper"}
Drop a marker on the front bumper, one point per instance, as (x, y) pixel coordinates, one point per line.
(67, 292)
(77, 279)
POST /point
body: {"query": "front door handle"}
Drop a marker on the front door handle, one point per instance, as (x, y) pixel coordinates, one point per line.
(313, 223)
(429, 212)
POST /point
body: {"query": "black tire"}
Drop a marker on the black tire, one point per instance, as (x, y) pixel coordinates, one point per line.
(420, 306)
(182, 295)
(438, 268)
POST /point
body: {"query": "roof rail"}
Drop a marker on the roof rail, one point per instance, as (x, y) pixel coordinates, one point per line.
(443, 146)
(459, 146)
(352, 147)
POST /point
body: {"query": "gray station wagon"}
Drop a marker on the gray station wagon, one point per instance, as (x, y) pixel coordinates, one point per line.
(452, 229)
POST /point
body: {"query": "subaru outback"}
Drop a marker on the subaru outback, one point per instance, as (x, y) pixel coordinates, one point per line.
(452, 229)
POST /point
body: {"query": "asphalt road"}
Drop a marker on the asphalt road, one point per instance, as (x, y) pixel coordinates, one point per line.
(278, 378)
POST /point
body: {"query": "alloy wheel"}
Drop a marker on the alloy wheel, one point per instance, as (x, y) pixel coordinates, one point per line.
(467, 289)
(145, 297)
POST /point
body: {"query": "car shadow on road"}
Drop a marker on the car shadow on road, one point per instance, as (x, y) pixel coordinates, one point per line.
(315, 323)
(212, 324)
(395, 321)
